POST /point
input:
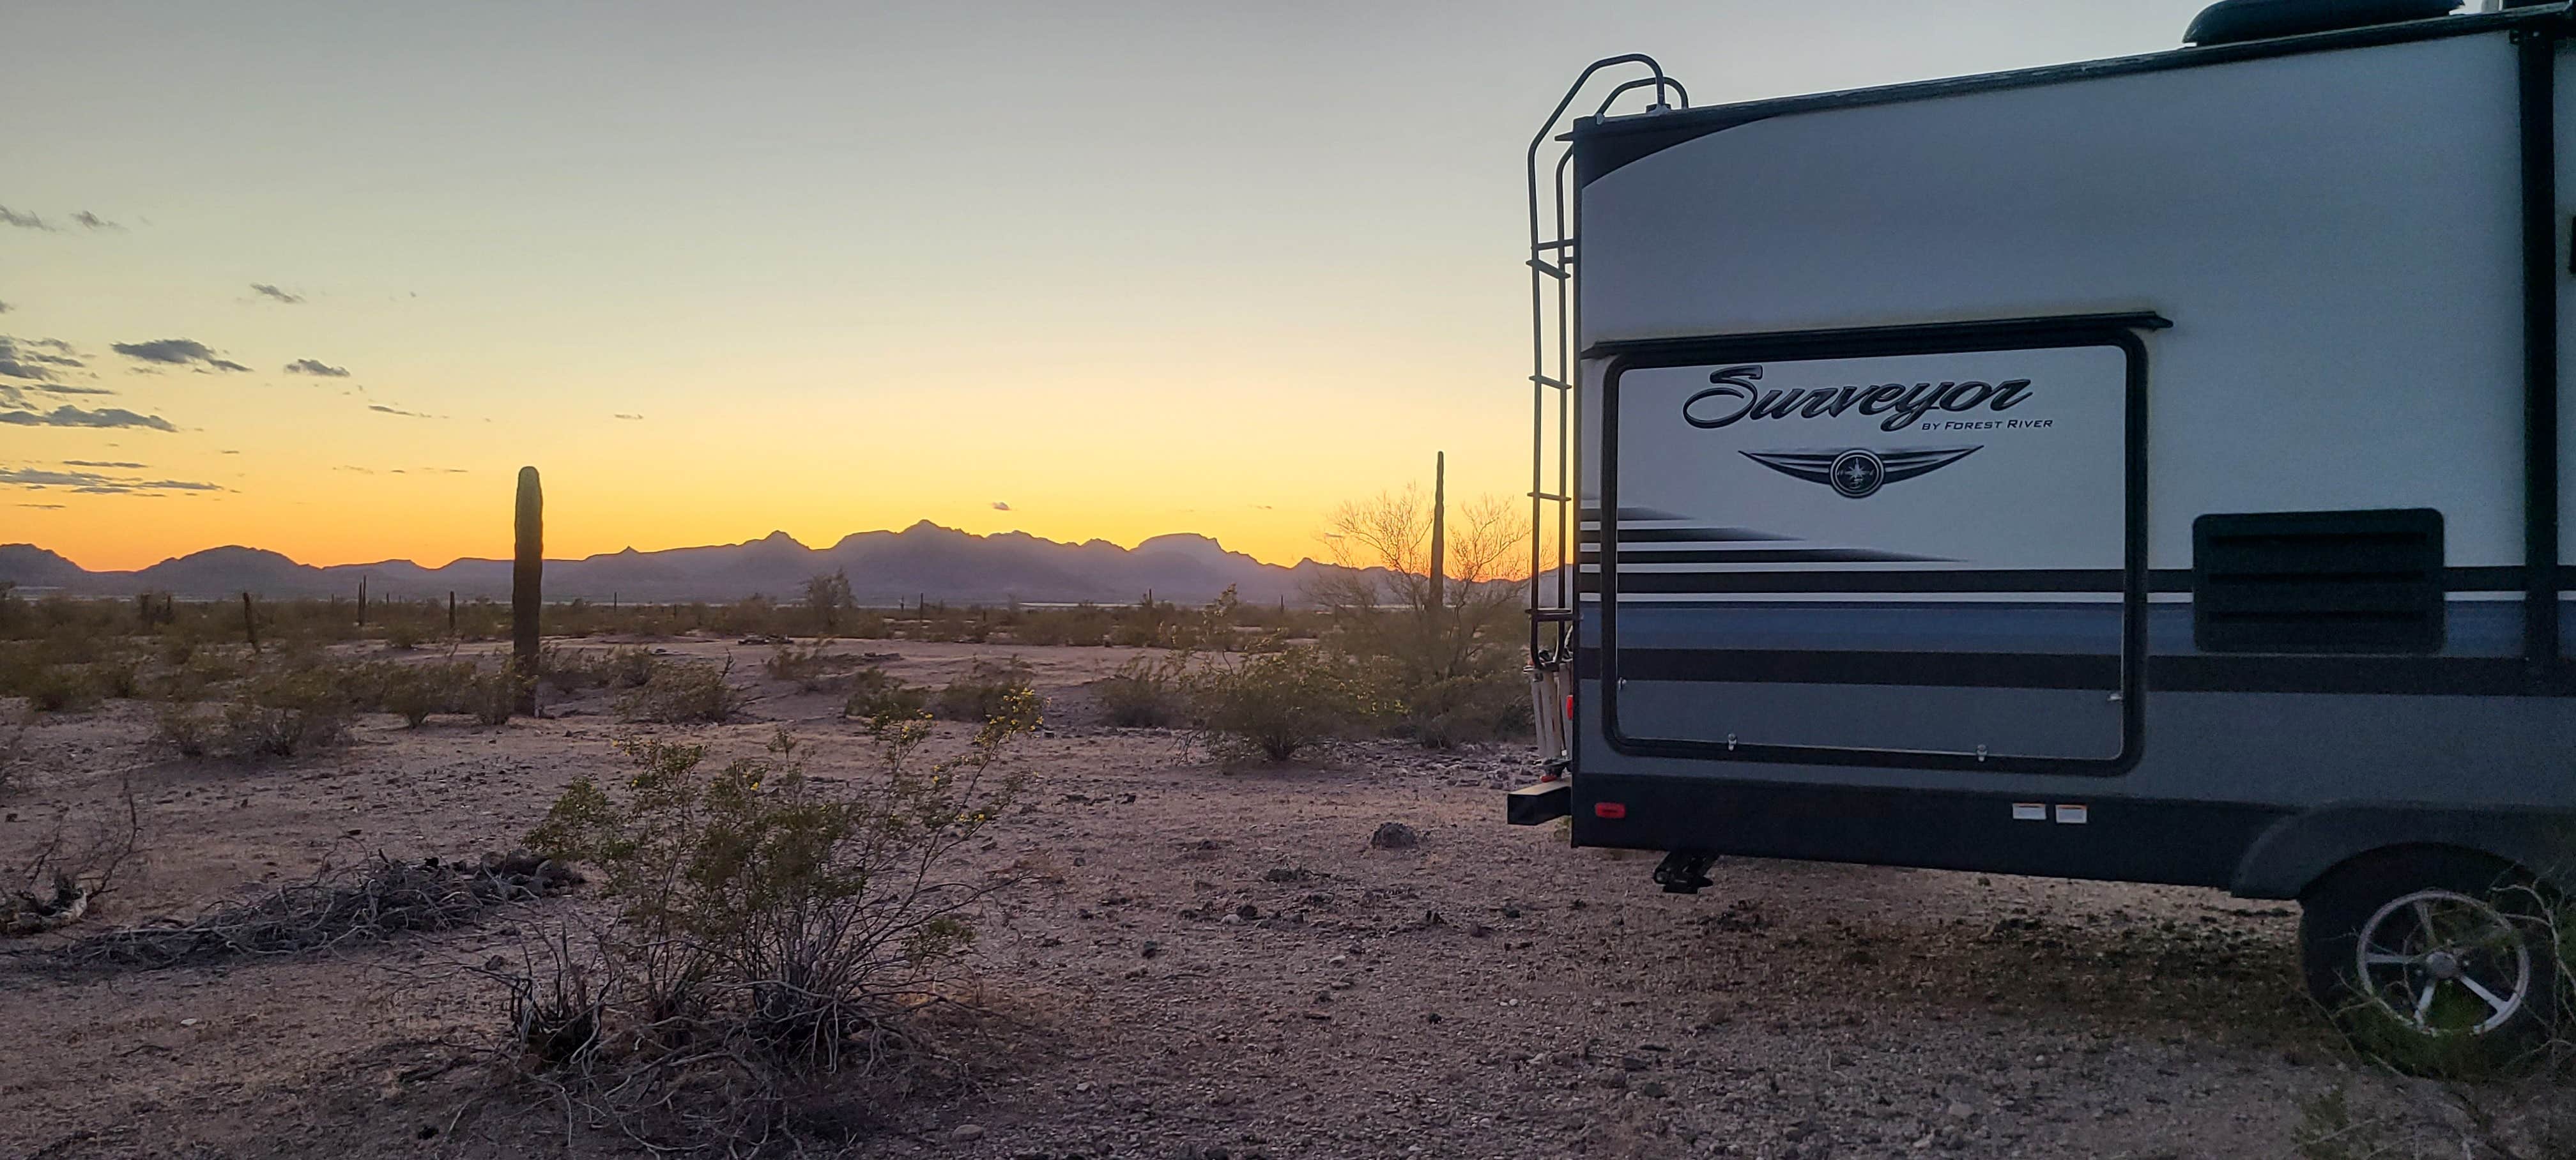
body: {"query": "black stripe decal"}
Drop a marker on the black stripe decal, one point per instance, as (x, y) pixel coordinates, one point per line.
(2005, 580)
(1687, 536)
(1592, 555)
(2451, 676)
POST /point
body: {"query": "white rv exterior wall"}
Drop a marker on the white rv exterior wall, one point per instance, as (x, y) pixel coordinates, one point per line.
(2340, 256)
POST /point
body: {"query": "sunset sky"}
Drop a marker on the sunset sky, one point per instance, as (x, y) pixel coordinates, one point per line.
(1125, 268)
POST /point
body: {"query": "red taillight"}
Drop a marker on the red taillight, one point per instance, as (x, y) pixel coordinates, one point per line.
(1611, 810)
(1569, 706)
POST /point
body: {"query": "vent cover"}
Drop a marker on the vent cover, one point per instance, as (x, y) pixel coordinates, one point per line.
(2318, 582)
(2234, 21)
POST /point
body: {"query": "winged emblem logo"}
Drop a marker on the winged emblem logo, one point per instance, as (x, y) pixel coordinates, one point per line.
(1858, 472)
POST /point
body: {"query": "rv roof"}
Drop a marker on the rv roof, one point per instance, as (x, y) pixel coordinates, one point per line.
(1605, 144)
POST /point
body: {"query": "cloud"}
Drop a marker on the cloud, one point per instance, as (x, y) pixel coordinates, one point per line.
(75, 417)
(43, 507)
(382, 409)
(176, 352)
(35, 359)
(91, 221)
(6, 308)
(95, 483)
(274, 294)
(95, 463)
(355, 469)
(628, 418)
(315, 366)
(999, 506)
(24, 221)
(17, 398)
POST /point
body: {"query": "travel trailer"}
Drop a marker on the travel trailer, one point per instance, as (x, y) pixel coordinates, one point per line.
(2152, 469)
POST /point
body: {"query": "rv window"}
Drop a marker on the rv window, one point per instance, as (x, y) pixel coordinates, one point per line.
(2318, 582)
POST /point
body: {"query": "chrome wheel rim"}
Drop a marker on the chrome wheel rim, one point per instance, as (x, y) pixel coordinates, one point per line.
(2443, 963)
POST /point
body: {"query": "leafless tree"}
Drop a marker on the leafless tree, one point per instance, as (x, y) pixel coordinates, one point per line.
(1383, 596)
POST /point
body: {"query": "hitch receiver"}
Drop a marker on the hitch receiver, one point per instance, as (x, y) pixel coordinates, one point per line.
(1684, 871)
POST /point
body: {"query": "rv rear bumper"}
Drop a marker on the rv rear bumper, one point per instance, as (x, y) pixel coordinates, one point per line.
(1533, 805)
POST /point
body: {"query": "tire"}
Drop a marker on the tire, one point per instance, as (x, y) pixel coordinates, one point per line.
(2459, 978)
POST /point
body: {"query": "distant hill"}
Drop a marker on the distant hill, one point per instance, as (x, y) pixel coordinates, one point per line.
(884, 567)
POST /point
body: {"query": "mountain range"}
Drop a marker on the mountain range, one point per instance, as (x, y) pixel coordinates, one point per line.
(884, 567)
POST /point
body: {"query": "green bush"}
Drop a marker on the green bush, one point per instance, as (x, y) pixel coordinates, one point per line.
(681, 693)
(1275, 704)
(1146, 692)
(988, 687)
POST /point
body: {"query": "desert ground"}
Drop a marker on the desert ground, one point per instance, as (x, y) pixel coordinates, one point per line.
(1210, 963)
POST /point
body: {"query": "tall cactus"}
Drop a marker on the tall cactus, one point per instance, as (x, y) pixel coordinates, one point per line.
(527, 587)
(1439, 529)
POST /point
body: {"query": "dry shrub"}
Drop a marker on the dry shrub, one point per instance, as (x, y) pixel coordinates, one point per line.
(771, 930)
(878, 696)
(15, 759)
(812, 670)
(988, 688)
(2457, 1094)
(1484, 706)
(622, 667)
(285, 711)
(416, 693)
(1275, 704)
(60, 688)
(369, 902)
(1447, 653)
(185, 729)
(72, 868)
(1146, 692)
(682, 693)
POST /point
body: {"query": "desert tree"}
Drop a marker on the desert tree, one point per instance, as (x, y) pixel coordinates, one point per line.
(827, 596)
(1433, 621)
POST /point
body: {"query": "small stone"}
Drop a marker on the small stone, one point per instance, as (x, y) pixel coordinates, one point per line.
(1652, 1089)
(1083, 1088)
(1632, 1063)
(1511, 912)
(190, 1022)
(966, 1132)
(1152, 948)
(1247, 912)
(1959, 1110)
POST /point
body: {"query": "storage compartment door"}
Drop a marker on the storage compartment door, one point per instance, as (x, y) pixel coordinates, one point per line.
(1878, 556)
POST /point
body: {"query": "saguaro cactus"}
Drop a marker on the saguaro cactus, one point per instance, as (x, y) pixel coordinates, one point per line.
(527, 588)
(1439, 527)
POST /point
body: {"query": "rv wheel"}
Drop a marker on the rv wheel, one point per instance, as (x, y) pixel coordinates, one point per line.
(2438, 960)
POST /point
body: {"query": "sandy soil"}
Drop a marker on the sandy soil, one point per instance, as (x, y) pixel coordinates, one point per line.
(1488, 993)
